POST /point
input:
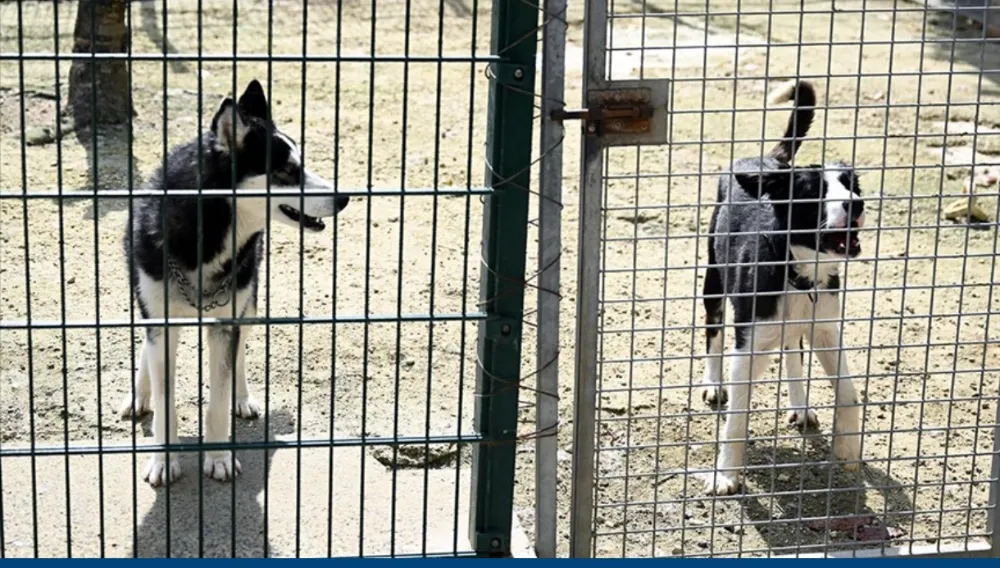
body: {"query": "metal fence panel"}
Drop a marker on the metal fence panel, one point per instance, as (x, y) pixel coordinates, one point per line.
(907, 95)
(363, 351)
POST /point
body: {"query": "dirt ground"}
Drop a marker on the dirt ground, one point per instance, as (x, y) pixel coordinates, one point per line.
(917, 307)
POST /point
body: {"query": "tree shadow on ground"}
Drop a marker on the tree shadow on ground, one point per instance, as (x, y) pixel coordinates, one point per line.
(147, 15)
(212, 519)
(802, 504)
(972, 45)
(109, 157)
(459, 7)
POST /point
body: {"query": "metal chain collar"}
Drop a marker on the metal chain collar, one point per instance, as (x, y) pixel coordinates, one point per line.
(220, 297)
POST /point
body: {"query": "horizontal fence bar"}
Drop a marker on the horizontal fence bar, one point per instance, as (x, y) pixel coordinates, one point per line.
(831, 138)
(764, 439)
(815, 377)
(851, 290)
(617, 415)
(842, 43)
(901, 319)
(234, 58)
(802, 12)
(722, 78)
(860, 260)
(858, 168)
(43, 451)
(273, 320)
(975, 547)
(790, 465)
(215, 193)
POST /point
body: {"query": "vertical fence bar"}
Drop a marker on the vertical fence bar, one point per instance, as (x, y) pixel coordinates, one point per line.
(992, 515)
(587, 296)
(549, 252)
(505, 223)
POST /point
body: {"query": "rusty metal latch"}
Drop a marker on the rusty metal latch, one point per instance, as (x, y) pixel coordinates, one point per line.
(624, 112)
(617, 118)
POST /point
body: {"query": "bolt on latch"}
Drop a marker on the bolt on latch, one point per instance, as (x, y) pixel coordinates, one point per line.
(619, 118)
(623, 112)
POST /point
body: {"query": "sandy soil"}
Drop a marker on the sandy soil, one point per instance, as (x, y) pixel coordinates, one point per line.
(919, 338)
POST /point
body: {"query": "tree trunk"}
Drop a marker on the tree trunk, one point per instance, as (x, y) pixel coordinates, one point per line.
(100, 28)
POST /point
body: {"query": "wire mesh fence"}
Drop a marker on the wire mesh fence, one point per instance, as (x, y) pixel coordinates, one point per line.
(386, 354)
(904, 93)
(377, 421)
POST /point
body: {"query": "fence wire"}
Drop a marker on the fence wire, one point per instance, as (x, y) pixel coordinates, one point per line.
(364, 360)
(906, 93)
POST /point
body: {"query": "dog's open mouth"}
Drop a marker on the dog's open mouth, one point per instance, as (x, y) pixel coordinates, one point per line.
(311, 223)
(844, 242)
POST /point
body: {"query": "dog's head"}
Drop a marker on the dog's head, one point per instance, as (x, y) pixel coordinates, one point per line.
(266, 157)
(821, 205)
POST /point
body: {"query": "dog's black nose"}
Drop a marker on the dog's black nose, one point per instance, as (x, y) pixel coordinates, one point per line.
(341, 203)
(854, 207)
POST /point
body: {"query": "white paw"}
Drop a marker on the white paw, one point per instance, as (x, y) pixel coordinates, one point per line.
(803, 419)
(247, 408)
(137, 407)
(720, 483)
(714, 395)
(847, 448)
(159, 472)
(221, 466)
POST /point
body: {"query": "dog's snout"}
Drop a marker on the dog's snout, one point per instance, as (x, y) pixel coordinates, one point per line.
(854, 207)
(341, 203)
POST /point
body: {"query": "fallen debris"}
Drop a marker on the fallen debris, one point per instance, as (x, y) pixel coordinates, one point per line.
(863, 528)
(967, 209)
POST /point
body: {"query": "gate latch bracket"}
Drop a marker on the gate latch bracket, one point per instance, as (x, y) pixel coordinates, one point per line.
(624, 113)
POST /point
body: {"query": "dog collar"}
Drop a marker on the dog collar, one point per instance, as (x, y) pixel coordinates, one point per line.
(210, 301)
(800, 282)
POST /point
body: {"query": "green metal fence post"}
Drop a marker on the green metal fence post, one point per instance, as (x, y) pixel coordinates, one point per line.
(505, 226)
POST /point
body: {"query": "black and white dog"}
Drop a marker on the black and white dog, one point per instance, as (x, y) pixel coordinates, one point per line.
(778, 236)
(163, 244)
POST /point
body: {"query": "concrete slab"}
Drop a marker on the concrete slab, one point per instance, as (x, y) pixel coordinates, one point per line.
(294, 509)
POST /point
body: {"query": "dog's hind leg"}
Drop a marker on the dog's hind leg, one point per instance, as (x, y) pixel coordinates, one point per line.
(161, 354)
(848, 413)
(222, 341)
(711, 390)
(800, 415)
(136, 402)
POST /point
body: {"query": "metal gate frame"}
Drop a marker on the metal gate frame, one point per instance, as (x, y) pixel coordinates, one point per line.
(594, 142)
(505, 236)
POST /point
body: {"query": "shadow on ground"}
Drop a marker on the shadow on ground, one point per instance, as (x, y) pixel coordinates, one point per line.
(807, 505)
(212, 519)
(109, 158)
(147, 13)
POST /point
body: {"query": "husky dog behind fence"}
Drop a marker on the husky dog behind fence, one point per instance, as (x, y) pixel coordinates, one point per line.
(778, 236)
(165, 261)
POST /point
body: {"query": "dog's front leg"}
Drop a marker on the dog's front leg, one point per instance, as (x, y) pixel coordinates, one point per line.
(800, 415)
(847, 416)
(246, 407)
(732, 443)
(136, 402)
(160, 352)
(222, 341)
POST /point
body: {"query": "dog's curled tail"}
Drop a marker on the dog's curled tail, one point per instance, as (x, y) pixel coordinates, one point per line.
(804, 96)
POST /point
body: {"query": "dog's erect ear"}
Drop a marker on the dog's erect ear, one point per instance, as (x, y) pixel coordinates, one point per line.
(774, 184)
(229, 125)
(253, 101)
